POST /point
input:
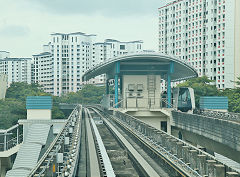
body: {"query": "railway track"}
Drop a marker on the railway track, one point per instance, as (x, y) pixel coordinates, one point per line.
(144, 161)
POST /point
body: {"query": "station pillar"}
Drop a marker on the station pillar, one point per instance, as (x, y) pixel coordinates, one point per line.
(117, 71)
(107, 87)
(169, 93)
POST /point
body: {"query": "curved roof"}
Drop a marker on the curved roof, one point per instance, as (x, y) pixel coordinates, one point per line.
(146, 63)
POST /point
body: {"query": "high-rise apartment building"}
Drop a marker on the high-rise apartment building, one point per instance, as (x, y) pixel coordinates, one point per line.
(109, 49)
(59, 69)
(72, 54)
(16, 69)
(42, 71)
(204, 33)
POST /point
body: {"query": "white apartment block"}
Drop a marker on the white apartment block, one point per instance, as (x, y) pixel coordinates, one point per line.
(71, 56)
(109, 49)
(204, 33)
(59, 69)
(42, 71)
(16, 69)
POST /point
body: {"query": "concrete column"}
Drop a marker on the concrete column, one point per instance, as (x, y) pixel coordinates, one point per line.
(163, 139)
(186, 154)
(107, 87)
(179, 149)
(155, 133)
(201, 164)
(193, 158)
(210, 167)
(219, 170)
(168, 143)
(159, 138)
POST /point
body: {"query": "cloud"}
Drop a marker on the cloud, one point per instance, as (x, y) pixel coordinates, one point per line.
(104, 7)
(14, 31)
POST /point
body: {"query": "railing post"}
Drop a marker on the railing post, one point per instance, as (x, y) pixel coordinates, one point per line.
(17, 134)
(5, 141)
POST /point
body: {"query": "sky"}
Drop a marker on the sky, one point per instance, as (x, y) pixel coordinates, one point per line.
(26, 25)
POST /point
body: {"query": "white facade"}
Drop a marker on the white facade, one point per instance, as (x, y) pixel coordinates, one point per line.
(68, 56)
(42, 71)
(109, 49)
(16, 69)
(72, 54)
(3, 85)
(202, 32)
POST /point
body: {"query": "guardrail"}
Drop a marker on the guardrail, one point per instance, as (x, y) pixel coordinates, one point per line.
(136, 102)
(185, 156)
(62, 155)
(11, 137)
(219, 115)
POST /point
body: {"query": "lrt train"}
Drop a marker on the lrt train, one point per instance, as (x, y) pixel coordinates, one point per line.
(183, 99)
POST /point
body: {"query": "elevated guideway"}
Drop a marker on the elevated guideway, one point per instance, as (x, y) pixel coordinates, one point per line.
(93, 142)
(184, 157)
(216, 131)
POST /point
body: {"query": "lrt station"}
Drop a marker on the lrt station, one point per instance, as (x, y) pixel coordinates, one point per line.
(137, 130)
(138, 87)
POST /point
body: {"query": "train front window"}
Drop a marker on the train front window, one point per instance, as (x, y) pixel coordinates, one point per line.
(184, 98)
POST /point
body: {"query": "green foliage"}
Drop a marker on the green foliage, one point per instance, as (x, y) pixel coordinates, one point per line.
(14, 106)
(202, 87)
(233, 99)
(10, 111)
(20, 90)
(90, 94)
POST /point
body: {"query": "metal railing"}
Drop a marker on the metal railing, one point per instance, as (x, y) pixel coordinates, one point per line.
(136, 102)
(66, 143)
(11, 137)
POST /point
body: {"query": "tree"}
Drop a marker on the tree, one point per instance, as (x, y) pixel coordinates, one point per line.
(90, 94)
(13, 107)
(202, 87)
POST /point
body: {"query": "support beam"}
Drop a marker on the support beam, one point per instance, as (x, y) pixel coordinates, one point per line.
(117, 71)
(116, 90)
(107, 87)
(169, 93)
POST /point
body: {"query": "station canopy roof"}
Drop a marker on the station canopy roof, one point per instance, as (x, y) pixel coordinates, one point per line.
(143, 64)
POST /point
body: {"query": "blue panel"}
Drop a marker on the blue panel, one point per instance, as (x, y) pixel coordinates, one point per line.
(116, 90)
(39, 102)
(171, 68)
(117, 67)
(213, 102)
(169, 94)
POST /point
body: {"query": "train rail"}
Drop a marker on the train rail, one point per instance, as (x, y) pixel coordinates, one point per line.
(142, 155)
(182, 158)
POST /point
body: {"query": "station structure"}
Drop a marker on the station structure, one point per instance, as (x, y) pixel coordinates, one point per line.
(137, 85)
